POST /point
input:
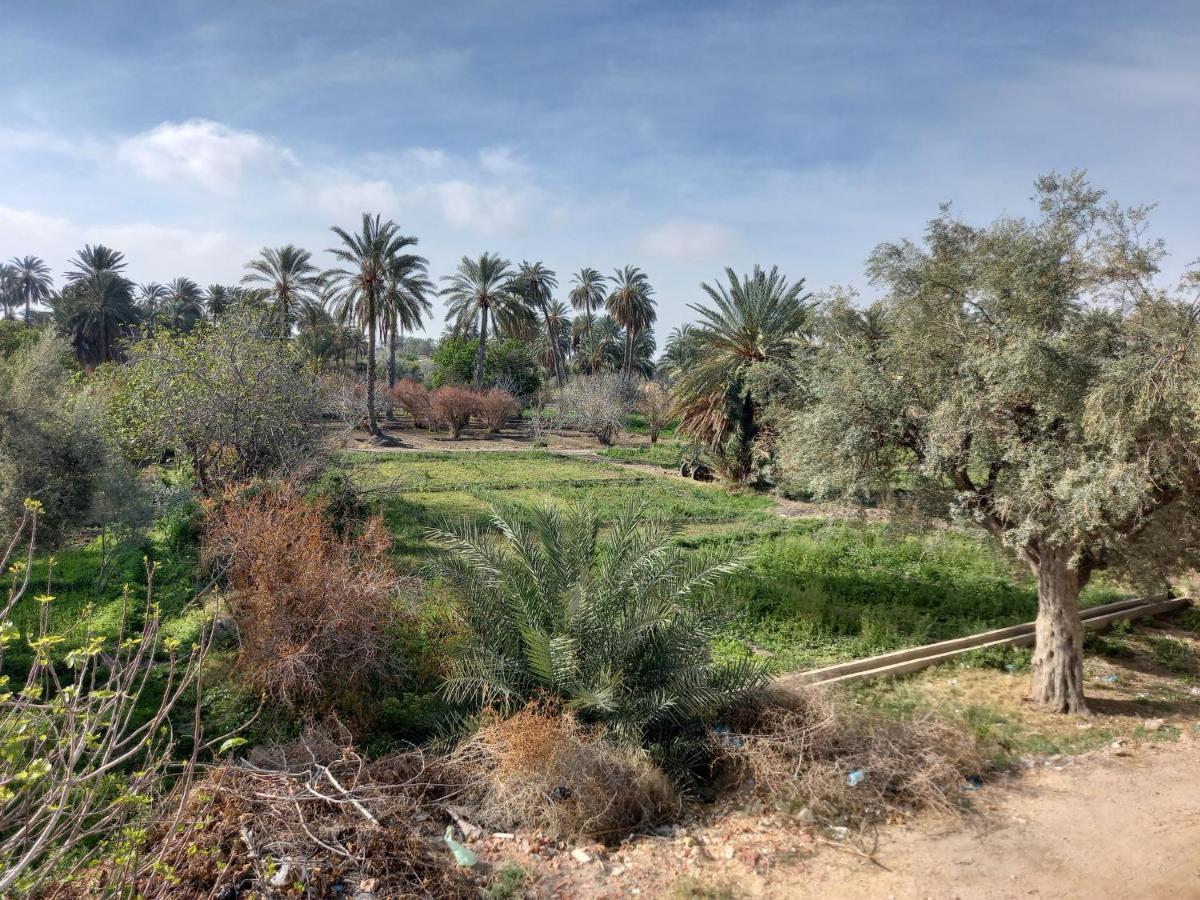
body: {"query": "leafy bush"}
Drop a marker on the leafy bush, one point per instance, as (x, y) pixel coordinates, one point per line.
(453, 362)
(620, 629)
(496, 407)
(597, 405)
(314, 610)
(231, 400)
(453, 407)
(411, 396)
(509, 364)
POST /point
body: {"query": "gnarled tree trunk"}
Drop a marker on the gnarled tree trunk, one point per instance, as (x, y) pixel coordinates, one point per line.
(1058, 652)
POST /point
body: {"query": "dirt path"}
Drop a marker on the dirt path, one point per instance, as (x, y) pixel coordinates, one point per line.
(1105, 826)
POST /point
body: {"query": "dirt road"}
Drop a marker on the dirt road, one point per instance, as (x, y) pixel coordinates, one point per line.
(1110, 827)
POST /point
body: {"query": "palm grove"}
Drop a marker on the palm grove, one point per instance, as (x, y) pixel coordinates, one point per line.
(1029, 377)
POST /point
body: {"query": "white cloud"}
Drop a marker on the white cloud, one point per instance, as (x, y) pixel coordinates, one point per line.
(201, 152)
(501, 162)
(685, 239)
(349, 198)
(490, 209)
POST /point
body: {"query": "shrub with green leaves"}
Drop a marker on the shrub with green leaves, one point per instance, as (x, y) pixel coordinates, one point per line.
(620, 628)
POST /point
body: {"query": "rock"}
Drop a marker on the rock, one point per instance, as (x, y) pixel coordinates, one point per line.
(370, 885)
(807, 816)
(1153, 725)
(581, 856)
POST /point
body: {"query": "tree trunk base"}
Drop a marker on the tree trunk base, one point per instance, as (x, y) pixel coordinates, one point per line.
(1058, 653)
(379, 439)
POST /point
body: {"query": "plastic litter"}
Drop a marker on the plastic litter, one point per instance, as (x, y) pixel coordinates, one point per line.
(855, 777)
(839, 832)
(462, 855)
(974, 783)
(1109, 679)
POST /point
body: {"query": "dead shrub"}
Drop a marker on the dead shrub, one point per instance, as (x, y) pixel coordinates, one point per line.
(337, 822)
(654, 403)
(542, 769)
(411, 396)
(314, 610)
(453, 407)
(496, 407)
(800, 749)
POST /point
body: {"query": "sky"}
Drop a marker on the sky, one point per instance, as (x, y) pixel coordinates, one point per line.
(681, 137)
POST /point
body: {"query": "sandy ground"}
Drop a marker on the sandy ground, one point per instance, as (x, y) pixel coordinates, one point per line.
(1109, 825)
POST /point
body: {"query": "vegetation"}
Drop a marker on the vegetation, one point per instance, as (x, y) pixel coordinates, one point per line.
(1029, 378)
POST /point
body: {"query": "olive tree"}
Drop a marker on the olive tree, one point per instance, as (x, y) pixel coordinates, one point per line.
(1030, 377)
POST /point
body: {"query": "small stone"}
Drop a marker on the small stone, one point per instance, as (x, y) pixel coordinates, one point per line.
(617, 871)
(503, 835)
(1153, 725)
(807, 816)
(581, 856)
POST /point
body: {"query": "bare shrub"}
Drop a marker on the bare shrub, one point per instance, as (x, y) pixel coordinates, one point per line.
(800, 749)
(496, 407)
(313, 609)
(453, 407)
(411, 396)
(654, 403)
(542, 769)
(598, 405)
(337, 822)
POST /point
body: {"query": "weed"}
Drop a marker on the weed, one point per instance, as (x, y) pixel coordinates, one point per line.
(507, 883)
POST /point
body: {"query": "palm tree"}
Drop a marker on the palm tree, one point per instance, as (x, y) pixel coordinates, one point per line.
(554, 338)
(184, 306)
(630, 303)
(600, 350)
(96, 306)
(756, 320)
(587, 294)
(679, 351)
(150, 300)
(9, 298)
(32, 280)
(358, 288)
(614, 619)
(641, 350)
(536, 283)
(405, 302)
(218, 298)
(289, 277)
(478, 289)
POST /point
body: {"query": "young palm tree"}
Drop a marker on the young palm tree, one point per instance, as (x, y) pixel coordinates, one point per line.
(359, 286)
(619, 628)
(755, 320)
(32, 280)
(600, 350)
(587, 294)
(184, 306)
(537, 284)
(679, 351)
(290, 278)
(151, 297)
(631, 304)
(478, 290)
(405, 302)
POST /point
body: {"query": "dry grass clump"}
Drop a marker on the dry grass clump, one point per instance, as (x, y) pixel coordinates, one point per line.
(801, 748)
(453, 407)
(542, 769)
(411, 396)
(337, 822)
(496, 407)
(314, 610)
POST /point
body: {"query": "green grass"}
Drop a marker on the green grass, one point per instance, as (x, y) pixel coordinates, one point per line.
(814, 592)
(666, 454)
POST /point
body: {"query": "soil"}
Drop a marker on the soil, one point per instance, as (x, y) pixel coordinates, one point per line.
(1120, 823)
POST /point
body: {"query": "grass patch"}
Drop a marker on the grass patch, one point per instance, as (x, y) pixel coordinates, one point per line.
(667, 455)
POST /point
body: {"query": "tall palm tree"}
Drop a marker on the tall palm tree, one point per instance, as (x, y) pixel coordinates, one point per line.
(600, 349)
(479, 289)
(554, 339)
(290, 278)
(537, 283)
(756, 319)
(184, 306)
(587, 294)
(679, 351)
(218, 298)
(358, 287)
(96, 306)
(150, 299)
(32, 279)
(631, 304)
(405, 302)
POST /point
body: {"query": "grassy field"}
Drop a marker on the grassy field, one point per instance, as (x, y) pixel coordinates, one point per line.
(813, 592)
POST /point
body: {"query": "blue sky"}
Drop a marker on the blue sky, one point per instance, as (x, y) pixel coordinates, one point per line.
(681, 137)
